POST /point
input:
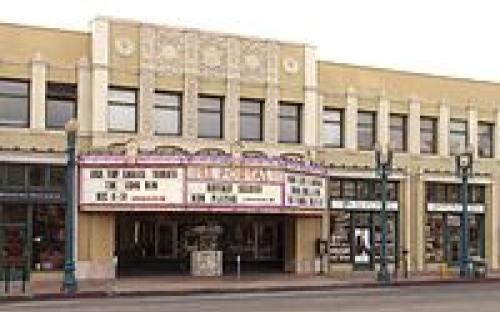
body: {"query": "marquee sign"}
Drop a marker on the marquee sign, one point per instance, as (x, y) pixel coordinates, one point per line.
(131, 185)
(305, 191)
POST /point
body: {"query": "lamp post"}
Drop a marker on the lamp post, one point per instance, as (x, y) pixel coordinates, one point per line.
(463, 163)
(383, 160)
(69, 281)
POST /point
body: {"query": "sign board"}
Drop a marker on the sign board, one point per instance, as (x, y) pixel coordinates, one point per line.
(362, 205)
(305, 191)
(131, 185)
(454, 207)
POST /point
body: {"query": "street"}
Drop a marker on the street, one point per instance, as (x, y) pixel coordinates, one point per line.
(456, 298)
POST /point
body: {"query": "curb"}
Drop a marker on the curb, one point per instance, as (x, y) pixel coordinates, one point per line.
(225, 290)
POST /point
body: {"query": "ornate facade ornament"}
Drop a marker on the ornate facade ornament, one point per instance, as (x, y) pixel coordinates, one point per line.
(253, 60)
(124, 46)
(170, 50)
(290, 65)
(212, 55)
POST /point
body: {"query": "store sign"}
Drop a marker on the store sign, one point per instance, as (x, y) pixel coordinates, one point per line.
(305, 191)
(229, 193)
(30, 196)
(131, 185)
(239, 174)
(362, 205)
(454, 207)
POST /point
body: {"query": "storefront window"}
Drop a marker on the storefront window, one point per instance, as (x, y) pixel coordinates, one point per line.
(16, 175)
(434, 238)
(340, 243)
(48, 237)
(37, 175)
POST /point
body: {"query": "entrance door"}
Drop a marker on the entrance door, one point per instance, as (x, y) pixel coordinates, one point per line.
(453, 239)
(362, 247)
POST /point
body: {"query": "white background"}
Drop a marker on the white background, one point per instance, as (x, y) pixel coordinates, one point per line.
(455, 38)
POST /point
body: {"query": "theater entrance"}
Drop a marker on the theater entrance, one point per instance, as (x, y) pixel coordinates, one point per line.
(155, 243)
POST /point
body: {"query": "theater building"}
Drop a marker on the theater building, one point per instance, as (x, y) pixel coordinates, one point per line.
(199, 152)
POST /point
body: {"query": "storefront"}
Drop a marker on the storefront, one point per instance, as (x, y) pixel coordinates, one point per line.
(32, 216)
(442, 222)
(167, 208)
(355, 232)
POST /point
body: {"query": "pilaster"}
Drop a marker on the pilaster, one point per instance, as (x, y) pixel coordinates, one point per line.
(147, 82)
(232, 104)
(383, 120)
(272, 94)
(37, 93)
(414, 126)
(351, 120)
(311, 104)
(100, 75)
(443, 129)
(472, 128)
(84, 109)
(191, 86)
(496, 135)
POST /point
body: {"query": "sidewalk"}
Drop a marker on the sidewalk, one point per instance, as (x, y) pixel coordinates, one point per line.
(187, 285)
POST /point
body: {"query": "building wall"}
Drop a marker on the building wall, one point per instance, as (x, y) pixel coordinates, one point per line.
(152, 57)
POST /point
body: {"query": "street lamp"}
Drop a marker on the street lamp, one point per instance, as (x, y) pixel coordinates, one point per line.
(463, 164)
(383, 160)
(69, 281)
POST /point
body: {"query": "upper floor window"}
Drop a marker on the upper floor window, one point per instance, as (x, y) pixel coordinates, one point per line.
(485, 139)
(14, 103)
(428, 135)
(290, 123)
(210, 117)
(332, 133)
(122, 110)
(398, 133)
(458, 136)
(251, 120)
(167, 113)
(60, 104)
(366, 130)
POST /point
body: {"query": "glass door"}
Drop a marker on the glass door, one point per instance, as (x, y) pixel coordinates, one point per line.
(453, 239)
(362, 241)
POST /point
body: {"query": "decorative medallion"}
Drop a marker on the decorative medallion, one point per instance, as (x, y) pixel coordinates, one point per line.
(124, 46)
(168, 52)
(212, 57)
(290, 65)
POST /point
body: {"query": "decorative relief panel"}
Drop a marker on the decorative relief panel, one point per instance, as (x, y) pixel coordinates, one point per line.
(170, 51)
(124, 46)
(253, 60)
(290, 65)
(212, 55)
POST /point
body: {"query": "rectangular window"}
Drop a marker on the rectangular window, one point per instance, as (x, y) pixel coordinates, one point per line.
(210, 117)
(458, 136)
(428, 135)
(366, 130)
(60, 104)
(398, 132)
(122, 110)
(167, 116)
(251, 120)
(14, 103)
(290, 123)
(332, 130)
(485, 139)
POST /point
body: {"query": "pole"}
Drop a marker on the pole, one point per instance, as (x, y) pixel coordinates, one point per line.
(383, 273)
(69, 282)
(464, 252)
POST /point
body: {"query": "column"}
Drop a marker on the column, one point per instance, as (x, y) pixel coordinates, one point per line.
(190, 98)
(271, 112)
(383, 120)
(100, 63)
(405, 218)
(84, 90)
(351, 120)
(472, 128)
(312, 112)
(491, 223)
(443, 129)
(417, 247)
(414, 126)
(37, 93)
(232, 105)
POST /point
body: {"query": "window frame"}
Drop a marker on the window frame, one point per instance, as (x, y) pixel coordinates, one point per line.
(490, 134)
(27, 124)
(210, 111)
(403, 129)
(434, 122)
(115, 103)
(373, 129)
(451, 132)
(298, 119)
(340, 123)
(48, 98)
(178, 109)
(260, 115)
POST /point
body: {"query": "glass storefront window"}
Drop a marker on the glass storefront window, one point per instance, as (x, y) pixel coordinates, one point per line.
(340, 242)
(48, 237)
